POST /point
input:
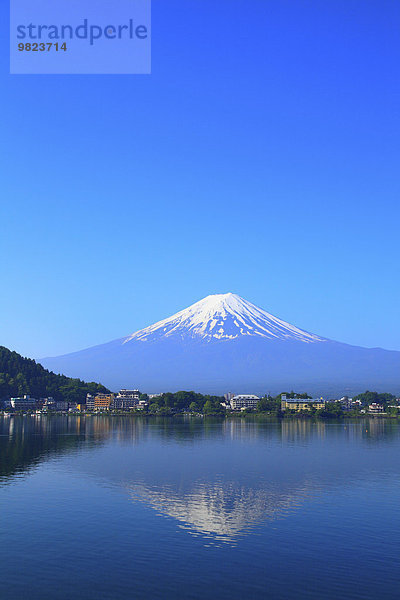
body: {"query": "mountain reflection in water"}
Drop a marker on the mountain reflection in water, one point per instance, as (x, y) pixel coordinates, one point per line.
(114, 507)
(221, 511)
(219, 479)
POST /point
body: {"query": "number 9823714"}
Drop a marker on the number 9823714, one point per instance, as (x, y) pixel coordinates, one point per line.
(42, 47)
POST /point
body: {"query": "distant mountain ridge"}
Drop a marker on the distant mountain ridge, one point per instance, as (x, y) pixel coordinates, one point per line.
(224, 343)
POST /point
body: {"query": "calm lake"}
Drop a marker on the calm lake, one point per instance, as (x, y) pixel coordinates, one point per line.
(129, 508)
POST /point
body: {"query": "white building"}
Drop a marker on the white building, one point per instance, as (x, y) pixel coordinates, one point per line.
(129, 394)
(375, 408)
(142, 404)
(243, 401)
(49, 404)
(89, 402)
(25, 403)
(126, 400)
(62, 405)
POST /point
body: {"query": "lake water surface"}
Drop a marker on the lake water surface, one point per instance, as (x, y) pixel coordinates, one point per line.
(129, 508)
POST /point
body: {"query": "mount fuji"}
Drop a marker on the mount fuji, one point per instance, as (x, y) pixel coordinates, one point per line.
(223, 343)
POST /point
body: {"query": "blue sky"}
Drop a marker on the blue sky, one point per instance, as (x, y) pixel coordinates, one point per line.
(260, 157)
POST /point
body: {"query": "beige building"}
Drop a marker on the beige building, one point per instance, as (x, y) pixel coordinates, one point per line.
(103, 401)
(299, 404)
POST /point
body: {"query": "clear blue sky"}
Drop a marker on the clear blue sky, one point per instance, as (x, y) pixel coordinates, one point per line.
(260, 157)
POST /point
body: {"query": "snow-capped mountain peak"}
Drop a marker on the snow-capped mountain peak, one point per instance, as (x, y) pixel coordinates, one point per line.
(223, 317)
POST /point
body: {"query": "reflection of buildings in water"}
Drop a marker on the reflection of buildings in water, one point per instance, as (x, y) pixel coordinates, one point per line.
(378, 429)
(237, 428)
(295, 430)
(289, 430)
(11, 426)
(222, 512)
(131, 430)
(88, 427)
(368, 429)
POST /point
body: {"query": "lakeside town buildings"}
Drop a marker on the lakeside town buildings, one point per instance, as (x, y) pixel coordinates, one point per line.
(125, 400)
(130, 400)
(26, 402)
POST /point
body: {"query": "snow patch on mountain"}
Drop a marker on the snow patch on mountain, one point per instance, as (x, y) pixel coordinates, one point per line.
(223, 317)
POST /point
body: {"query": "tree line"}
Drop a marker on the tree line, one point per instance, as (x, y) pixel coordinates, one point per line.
(20, 376)
(170, 403)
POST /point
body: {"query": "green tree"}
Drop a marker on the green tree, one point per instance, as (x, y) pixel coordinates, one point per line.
(213, 407)
(331, 410)
(370, 397)
(269, 404)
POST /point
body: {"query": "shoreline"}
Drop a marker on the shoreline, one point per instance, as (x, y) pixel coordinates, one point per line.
(230, 416)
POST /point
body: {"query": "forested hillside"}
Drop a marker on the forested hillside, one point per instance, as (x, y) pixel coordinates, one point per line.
(19, 376)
